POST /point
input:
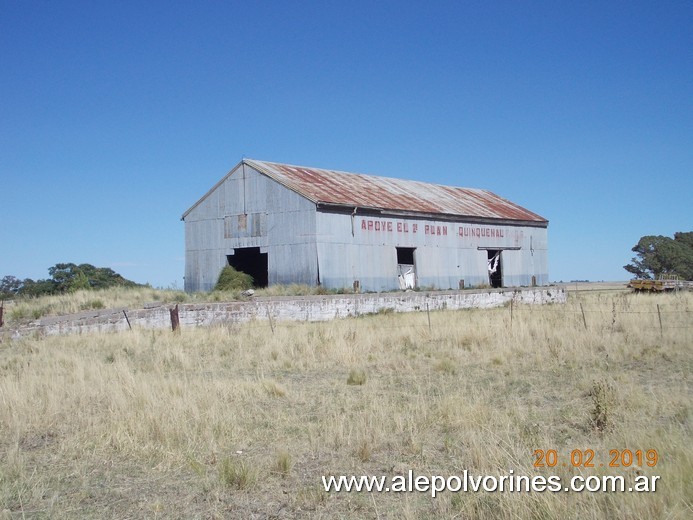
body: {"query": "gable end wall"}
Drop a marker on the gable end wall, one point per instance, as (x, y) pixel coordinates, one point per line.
(248, 209)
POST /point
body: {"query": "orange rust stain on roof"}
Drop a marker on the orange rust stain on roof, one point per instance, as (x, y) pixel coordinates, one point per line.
(352, 189)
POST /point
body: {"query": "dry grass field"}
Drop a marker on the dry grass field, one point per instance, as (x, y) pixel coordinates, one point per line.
(242, 421)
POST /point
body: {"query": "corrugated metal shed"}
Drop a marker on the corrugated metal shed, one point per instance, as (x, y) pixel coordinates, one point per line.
(338, 188)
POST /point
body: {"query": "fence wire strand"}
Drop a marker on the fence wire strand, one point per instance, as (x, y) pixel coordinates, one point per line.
(671, 318)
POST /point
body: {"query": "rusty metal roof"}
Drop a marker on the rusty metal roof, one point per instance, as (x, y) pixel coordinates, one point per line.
(382, 193)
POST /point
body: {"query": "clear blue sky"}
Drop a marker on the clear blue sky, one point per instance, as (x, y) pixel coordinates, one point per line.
(115, 117)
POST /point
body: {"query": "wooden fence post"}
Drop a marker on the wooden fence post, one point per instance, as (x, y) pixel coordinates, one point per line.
(2, 308)
(584, 320)
(175, 320)
(428, 311)
(269, 317)
(659, 314)
(127, 319)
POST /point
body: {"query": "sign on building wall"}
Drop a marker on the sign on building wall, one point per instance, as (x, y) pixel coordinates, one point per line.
(464, 234)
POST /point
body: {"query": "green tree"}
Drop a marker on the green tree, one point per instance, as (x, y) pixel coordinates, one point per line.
(69, 277)
(103, 277)
(37, 288)
(663, 256)
(684, 238)
(64, 277)
(10, 286)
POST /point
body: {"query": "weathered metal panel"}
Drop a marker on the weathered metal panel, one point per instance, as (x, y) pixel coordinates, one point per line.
(248, 209)
(341, 264)
(245, 225)
(363, 248)
(293, 264)
(368, 191)
(202, 270)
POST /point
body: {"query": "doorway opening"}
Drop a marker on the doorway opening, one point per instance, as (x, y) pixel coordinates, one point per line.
(495, 272)
(251, 261)
(406, 267)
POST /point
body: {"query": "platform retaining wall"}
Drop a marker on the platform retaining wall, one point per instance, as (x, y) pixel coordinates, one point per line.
(288, 308)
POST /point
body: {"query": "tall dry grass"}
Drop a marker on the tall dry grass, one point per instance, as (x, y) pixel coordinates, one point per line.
(32, 308)
(241, 421)
(25, 309)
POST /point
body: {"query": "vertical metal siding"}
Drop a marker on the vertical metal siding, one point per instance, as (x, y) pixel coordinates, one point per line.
(275, 217)
(444, 254)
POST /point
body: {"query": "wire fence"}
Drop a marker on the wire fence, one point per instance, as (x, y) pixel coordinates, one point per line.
(589, 313)
(617, 314)
(620, 314)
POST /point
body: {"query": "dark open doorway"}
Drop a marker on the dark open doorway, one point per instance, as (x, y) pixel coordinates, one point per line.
(251, 261)
(406, 267)
(495, 273)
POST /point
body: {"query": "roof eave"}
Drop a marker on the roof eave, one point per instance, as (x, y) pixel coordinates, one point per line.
(346, 208)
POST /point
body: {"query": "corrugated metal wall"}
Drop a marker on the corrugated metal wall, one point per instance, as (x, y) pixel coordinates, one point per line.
(446, 252)
(248, 209)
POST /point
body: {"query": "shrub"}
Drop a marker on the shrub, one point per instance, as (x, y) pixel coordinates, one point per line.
(273, 388)
(363, 451)
(232, 280)
(92, 304)
(237, 474)
(283, 463)
(602, 398)
(446, 366)
(356, 377)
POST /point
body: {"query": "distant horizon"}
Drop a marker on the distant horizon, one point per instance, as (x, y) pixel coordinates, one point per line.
(22, 278)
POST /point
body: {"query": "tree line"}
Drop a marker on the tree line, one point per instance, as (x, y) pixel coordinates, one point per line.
(64, 278)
